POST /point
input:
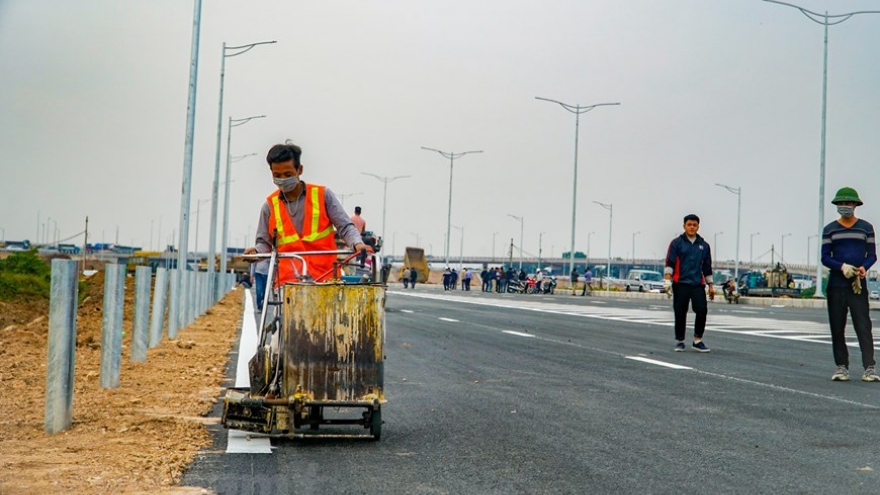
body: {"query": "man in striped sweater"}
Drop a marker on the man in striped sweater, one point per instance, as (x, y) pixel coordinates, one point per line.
(849, 250)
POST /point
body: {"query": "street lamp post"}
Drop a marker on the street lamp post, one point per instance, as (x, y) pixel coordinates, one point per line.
(186, 183)
(385, 181)
(540, 249)
(825, 20)
(808, 249)
(587, 262)
(751, 248)
(224, 234)
(521, 230)
(460, 249)
(610, 208)
(198, 209)
(343, 196)
(227, 52)
(452, 156)
(738, 192)
(634, 247)
(782, 247)
(577, 110)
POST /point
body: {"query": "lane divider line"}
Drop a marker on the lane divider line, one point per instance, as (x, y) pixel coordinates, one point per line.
(659, 363)
(518, 334)
(450, 320)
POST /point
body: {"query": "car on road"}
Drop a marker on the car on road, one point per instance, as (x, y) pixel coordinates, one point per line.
(874, 295)
(643, 281)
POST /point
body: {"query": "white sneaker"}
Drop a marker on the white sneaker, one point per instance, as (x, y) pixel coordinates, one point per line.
(841, 375)
(870, 375)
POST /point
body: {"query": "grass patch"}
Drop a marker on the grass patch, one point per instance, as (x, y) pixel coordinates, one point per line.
(25, 275)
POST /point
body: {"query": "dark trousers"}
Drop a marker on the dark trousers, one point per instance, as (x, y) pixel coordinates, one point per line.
(260, 280)
(412, 282)
(684, 295)
(841, 299)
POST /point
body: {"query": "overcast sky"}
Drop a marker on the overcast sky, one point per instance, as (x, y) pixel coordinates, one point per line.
(93, 98)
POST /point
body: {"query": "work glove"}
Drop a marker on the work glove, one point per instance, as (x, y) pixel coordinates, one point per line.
(857, 285)
(667, 286)
(849, 271)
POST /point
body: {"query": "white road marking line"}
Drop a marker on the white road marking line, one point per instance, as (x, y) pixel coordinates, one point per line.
(707, 373)
(449, 320)
(762, 326)
(658, 363)
(237, 441)
(407, 311)
(519, 334)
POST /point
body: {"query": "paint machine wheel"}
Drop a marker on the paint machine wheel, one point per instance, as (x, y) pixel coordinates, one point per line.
(376, 423)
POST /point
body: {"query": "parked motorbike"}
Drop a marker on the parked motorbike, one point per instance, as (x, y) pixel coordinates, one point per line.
(548, 285)
(730, 293)
(515, 287)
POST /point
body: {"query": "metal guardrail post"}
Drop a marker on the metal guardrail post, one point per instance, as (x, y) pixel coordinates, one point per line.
(111, 333)
(62, 346)
(140, 326)
(157, 320)
(196, 300)
(190, 298)
(174, 303)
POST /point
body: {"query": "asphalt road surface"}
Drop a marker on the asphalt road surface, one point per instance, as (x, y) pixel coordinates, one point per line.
(509, 394)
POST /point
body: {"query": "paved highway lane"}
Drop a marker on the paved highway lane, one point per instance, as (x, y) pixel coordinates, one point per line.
(505, 394)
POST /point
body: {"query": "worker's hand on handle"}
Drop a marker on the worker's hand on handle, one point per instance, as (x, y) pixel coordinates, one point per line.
(251, 250)
(849, 271)
(363, 247)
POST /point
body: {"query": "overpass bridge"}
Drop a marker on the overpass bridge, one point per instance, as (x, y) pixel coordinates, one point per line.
(619, 267)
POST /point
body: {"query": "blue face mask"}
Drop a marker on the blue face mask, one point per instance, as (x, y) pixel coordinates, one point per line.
(286, 184)
(846, 211)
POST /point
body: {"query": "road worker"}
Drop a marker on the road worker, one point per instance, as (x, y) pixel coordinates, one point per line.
(300, 217)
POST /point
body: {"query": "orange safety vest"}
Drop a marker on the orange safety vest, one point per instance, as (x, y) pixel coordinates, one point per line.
(317, 236)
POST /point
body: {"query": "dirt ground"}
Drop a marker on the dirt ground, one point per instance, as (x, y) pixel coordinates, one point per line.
(138, 438)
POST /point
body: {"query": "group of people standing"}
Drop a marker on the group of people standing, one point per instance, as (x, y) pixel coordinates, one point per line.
(848, 250)
(496, 279)
(451, 278)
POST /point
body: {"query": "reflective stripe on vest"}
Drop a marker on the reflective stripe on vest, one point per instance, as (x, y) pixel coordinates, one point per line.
(310, 222)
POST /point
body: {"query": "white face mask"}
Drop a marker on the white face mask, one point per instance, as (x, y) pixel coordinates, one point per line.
(846, 211)
(286, 184)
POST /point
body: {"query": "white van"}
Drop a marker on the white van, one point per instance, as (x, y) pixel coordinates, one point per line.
(643, 281)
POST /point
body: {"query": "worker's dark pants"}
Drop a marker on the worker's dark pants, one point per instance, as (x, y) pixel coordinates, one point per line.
(684, 295)
(841, 299)
(412, 282)
(260, 280)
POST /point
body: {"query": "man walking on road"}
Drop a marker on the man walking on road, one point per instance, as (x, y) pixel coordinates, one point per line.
(849, 250)
(688, 271)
